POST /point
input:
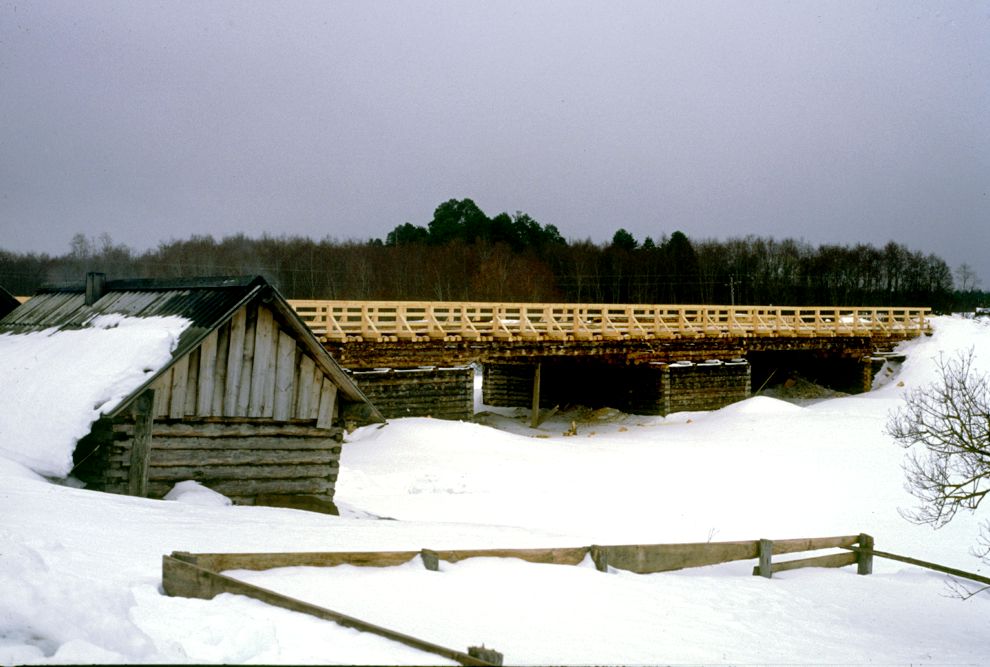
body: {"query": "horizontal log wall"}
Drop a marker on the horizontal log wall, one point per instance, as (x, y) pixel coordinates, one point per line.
(648, 389)
(442, 393)
(249, 461)
(508, 385)
(703, 386)
(635, 389)
(249, 367)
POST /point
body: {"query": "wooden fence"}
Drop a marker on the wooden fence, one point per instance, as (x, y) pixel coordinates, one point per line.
(411, 321)
(199, 575)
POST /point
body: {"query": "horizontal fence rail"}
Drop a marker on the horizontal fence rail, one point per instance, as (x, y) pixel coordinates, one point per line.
(191, 575)
(343, 321)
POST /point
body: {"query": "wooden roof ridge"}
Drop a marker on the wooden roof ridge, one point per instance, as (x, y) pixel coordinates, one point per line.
(159, 284)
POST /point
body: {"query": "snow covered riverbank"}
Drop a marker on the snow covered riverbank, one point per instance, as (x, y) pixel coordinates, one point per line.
(80, 571)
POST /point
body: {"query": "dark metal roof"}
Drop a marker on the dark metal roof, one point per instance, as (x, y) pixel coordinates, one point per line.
(206, 302)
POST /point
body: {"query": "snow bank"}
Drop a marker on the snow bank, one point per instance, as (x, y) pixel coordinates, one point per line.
(194, 493)
(80, 571)
(57, 383)
(950, 336)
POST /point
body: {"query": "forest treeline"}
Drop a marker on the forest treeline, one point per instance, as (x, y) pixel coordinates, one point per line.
(464, 255)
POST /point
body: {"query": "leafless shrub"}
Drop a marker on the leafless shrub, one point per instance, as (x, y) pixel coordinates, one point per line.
(945, 426)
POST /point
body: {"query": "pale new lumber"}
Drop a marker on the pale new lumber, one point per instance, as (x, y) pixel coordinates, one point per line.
(414, 320)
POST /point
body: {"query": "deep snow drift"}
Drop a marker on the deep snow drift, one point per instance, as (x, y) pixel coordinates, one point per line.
(80, 571)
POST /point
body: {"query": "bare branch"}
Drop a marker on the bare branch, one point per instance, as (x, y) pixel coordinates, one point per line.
(945, 427)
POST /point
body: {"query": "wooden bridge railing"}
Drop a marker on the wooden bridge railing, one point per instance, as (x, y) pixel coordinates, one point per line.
(342, 321)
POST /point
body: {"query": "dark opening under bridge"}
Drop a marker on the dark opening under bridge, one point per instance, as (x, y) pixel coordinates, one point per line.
(652, 359)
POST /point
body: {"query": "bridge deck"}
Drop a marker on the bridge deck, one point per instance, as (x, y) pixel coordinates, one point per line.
(397, 321)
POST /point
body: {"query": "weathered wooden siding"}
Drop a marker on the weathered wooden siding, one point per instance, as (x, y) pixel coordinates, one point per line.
(248, 413)
(250, 461)
(443, 393)
(248, 368)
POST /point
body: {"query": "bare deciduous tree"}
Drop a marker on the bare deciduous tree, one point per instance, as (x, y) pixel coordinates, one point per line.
(945, 426)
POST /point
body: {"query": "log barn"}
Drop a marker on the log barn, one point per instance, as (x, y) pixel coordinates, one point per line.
(250, 404)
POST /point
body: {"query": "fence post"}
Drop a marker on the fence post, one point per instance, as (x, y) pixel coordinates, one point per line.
(766, 551)
(864, 561)
(599, 555)
(431, 560)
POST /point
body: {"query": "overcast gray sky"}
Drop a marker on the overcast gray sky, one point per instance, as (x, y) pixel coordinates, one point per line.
(838, 122)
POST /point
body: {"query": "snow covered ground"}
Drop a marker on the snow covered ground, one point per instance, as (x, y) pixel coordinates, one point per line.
(80, 572)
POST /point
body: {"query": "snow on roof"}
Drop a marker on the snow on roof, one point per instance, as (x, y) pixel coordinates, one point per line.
(56, 383)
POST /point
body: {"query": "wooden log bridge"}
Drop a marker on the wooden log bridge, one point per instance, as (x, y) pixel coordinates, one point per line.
(405, 333)
(419, 321)
(544, 354)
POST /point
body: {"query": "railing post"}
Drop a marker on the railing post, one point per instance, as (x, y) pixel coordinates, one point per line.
(766, 551)
(864, 561)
